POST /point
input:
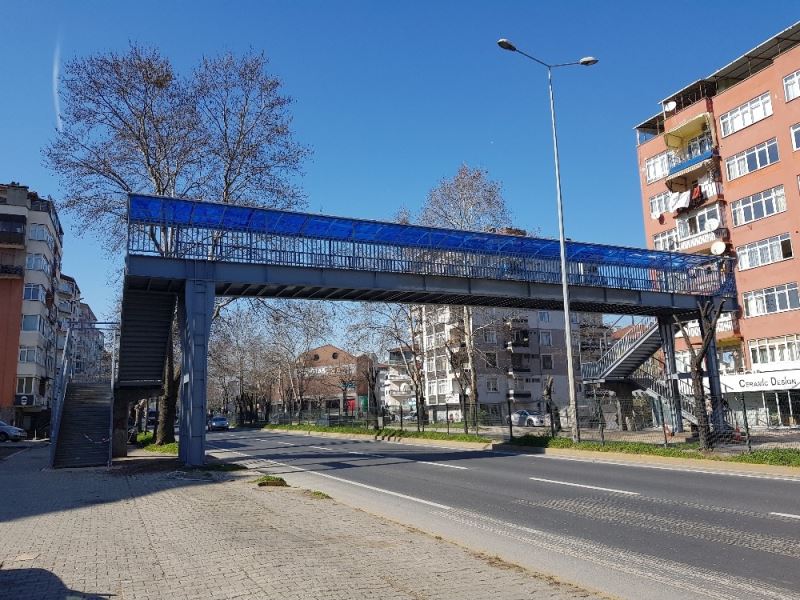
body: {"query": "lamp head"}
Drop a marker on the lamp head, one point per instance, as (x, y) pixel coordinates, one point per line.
(588, 61)
(506, 45)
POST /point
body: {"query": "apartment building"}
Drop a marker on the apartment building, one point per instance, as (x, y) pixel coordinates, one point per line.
(514, 349)
(334, 378)
(719, 173)
(398, 385)
(39, 302)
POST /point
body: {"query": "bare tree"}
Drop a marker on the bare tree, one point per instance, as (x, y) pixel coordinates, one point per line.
(132, 124)
(709, 312)
(469, 201)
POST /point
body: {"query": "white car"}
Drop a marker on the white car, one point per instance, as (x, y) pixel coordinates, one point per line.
(525, 418)
(9, 432)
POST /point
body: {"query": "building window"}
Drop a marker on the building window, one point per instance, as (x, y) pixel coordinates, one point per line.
(791, 85)
(491, 360)
(439, 339)
(443, 387)
(31, 354)
(491, 384)
(659, 204)
(774, 350)
(544, 316)
(26, 385)
(33, 291)
(698, 145)
(441, 364)
(31, 322)
(771, 300)
(39, 232)
(431, 389)
(666, 240)
(547, 362)
(795, 130)
(697, 223)
(490, 336)
(746, 114)
(657, 167)
(429, 341)
(764, 252)
(545, 338)
(755, 207)
(752, 159)
(430, 364)
(37, 262)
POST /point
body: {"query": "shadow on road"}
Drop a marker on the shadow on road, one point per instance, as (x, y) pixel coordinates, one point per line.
(24, 584)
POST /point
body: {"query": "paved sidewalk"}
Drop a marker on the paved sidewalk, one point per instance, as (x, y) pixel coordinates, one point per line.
(146, 530)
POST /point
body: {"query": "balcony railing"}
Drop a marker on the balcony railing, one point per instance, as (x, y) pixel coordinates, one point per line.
(726, 323)
(700, 239)
(681, 162)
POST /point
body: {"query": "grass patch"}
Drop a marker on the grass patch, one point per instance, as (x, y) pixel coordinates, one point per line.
(147, 442)
(785, 457)
(270, 481)
(319, 495)
(393, 433)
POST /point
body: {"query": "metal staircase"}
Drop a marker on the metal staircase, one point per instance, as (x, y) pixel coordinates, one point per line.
(84, 433)
(81, 418)
(654, 381)
(638, 344)
(146, 321)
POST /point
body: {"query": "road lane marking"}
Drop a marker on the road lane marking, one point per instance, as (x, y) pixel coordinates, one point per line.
(687, 469)
(355, 483)
(581, 485)
(322, 448)
(436, 464)
(787, 515)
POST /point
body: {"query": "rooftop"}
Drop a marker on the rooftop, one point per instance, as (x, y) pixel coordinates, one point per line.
(748, 64)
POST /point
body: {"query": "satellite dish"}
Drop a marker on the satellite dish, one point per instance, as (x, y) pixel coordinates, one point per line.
(718, 248)
(670, 106)
(712, 224)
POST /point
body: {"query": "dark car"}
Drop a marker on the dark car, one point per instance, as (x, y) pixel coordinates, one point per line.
(218, 423)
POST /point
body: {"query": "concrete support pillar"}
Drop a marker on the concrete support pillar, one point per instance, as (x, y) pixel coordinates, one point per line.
(714, 384)
(195, 308)
(667, 331)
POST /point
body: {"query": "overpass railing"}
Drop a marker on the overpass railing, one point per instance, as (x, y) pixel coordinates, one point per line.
(185, 229)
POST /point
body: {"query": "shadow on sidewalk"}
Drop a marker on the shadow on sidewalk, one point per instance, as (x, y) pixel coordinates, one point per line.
(24, 584)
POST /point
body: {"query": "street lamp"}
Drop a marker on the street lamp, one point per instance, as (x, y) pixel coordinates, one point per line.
(586, 61)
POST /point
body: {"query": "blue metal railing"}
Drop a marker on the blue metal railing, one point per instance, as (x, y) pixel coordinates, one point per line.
(204, 231)
(684, 163)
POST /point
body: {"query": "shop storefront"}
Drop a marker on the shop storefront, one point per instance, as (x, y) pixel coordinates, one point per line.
(772, 399)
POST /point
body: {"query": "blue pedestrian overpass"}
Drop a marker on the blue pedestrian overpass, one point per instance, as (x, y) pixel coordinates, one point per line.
(183, 253)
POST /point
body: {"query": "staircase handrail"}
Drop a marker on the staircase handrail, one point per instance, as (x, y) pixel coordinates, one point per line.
(637, 331)
(62, 377)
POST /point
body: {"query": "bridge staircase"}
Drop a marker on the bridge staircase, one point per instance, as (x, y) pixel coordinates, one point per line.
(640, 342)
(144, 335)
(84, 433)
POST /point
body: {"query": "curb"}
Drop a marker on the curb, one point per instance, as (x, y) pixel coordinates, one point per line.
(689, 464)
(454, 444)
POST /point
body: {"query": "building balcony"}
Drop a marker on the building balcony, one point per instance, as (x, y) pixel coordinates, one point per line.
(702, 241)
(686, 168)
(12, 231)
(12, 265)
(727, 327)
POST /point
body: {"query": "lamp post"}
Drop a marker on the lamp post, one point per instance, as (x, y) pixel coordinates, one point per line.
(586, 62)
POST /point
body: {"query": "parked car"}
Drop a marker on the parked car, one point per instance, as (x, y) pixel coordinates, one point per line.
(218, 423)
(9, 432)
(524, 418)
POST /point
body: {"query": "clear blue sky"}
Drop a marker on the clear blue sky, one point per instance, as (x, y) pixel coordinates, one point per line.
(393, 96)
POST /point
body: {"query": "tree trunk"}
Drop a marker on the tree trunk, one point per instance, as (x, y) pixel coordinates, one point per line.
(165, 432)
(700, 413)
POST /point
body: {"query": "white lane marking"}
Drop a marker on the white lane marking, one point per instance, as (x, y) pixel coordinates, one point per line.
(787, 515)
(436, 464)
(581, 485)
(355, 483)
(321, 448)
(282, 443)
(687, 469)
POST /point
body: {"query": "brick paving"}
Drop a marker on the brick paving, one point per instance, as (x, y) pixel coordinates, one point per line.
(146, 530)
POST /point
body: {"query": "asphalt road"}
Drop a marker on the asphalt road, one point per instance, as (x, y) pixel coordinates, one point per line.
(632, 531)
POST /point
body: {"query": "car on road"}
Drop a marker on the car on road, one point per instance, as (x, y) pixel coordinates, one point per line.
(9, 432)
(524, 418)
(218, 423)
